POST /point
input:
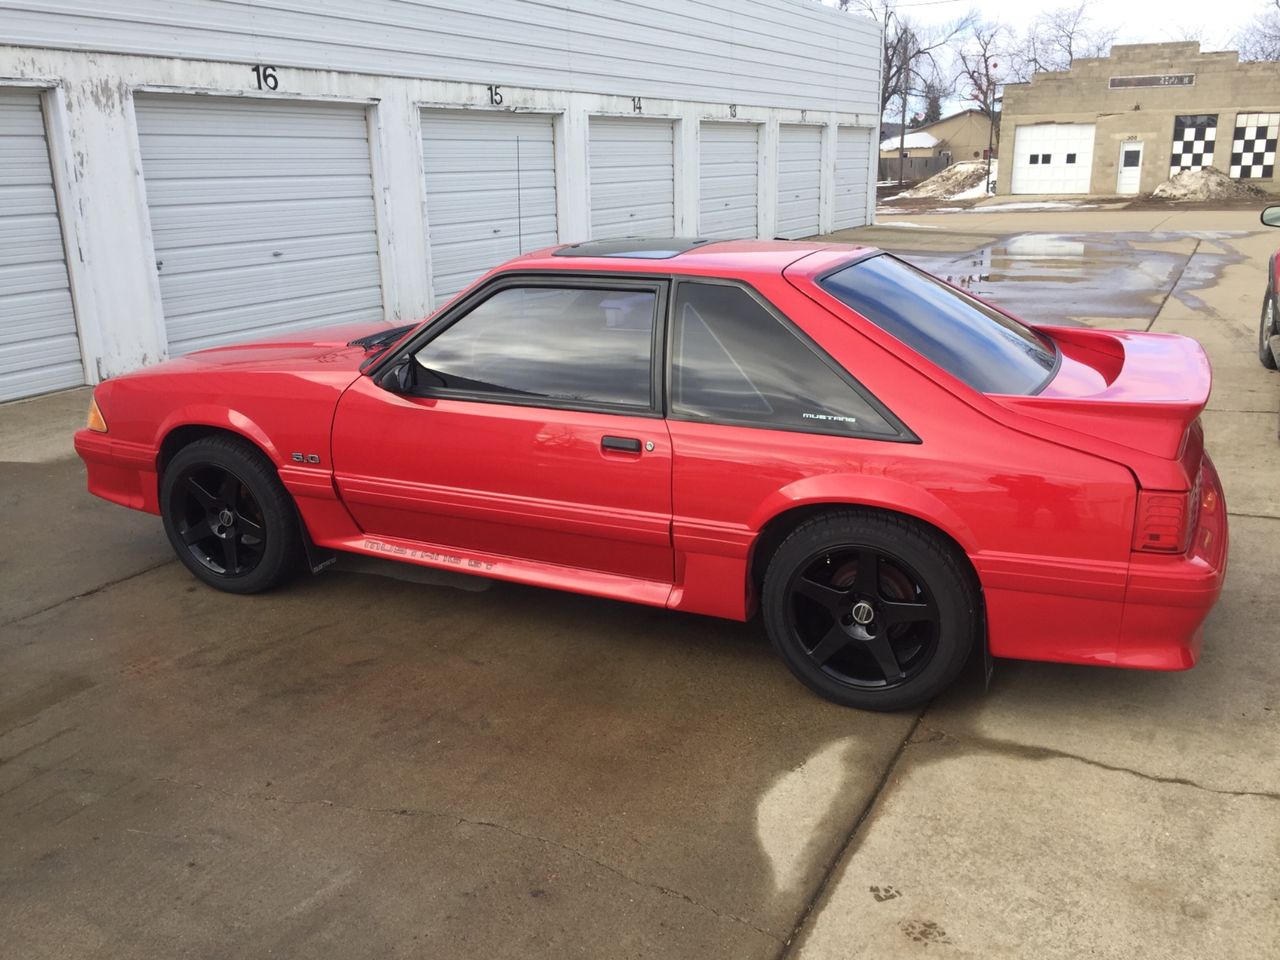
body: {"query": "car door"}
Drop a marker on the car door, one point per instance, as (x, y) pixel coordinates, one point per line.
(528, 426)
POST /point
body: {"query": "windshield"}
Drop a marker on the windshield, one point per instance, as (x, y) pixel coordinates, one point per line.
(987, 350)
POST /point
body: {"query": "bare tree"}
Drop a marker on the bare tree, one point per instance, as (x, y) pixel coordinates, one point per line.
(1260, 40)
(980, 60)
(912, 54)
(1057, 38)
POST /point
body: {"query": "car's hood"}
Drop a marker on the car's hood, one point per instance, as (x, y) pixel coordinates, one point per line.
(320, 346)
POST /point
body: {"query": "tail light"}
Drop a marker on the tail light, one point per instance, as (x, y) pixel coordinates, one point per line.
(1166, 520)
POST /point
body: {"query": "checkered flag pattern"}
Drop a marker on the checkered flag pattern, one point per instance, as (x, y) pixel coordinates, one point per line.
(1253, 146)
(1193, 142)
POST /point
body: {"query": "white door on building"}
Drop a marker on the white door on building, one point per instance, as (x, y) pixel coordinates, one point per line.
(490, 190)
(1053, 158)
(262, 215)
(39, 344)
(853, 176)
(799, 179)
(729, 180)
(1129, 168)
(632, 178)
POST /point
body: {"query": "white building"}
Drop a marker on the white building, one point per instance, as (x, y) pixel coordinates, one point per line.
(176, 174)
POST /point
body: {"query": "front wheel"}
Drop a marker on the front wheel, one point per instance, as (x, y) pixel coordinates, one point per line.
(1267, 330)
(228, 517)
(870, 610)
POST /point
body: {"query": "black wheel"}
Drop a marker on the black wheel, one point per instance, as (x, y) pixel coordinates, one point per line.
(1267, 330)
(229, 518)
(870, 610)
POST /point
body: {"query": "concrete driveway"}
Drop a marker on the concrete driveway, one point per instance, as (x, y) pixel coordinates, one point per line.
(358, 766)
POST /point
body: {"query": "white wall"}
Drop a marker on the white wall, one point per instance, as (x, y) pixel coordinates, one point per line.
(778, 53)
(97, 166)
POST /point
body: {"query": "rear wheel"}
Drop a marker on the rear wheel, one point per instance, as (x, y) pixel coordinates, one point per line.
(228, 517)
(1267, 330)
(870, 610)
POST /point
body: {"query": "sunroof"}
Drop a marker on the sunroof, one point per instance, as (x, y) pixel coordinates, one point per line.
(633, 248)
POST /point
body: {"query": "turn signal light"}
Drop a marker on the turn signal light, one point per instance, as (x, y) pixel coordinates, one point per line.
(96, 421)
(1163, 523)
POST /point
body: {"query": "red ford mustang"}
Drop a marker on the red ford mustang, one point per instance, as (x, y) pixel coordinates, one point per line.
(892, 471)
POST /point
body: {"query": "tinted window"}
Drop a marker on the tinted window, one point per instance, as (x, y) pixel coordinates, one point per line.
(734, 362)
(987, 350)
(556, 343)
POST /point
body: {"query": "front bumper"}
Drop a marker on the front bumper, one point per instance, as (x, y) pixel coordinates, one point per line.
(120, 471)
(1168, 598)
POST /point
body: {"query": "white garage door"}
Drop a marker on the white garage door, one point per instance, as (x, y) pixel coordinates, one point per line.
(853, 176)
(799, 179)
(1052, 158)
(632, 178)
(39, 347)
(262, 216)
(491, 192)
(729, 179)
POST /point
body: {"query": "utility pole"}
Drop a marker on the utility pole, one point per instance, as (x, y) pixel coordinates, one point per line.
(902, 137)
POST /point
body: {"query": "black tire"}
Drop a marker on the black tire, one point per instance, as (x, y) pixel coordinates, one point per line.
(228, 517)
(1266, 330)
(923, 600)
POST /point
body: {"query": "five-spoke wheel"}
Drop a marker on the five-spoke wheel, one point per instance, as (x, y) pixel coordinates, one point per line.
(227, 515)
(219, 520)
(870, 609)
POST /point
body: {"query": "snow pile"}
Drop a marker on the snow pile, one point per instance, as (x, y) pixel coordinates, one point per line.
(1206, 183)
(960, 181)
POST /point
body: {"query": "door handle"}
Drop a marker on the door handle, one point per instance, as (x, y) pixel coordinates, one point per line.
(625, 444)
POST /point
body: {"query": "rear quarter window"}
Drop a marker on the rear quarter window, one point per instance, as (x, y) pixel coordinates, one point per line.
(973, 342)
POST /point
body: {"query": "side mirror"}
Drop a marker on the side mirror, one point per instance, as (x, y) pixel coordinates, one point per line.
(397, 378)
(1271, 216)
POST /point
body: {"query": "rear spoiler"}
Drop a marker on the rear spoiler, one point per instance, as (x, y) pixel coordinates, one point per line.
(1155, 386)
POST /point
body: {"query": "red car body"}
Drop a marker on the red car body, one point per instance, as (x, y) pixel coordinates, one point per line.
(1049, 496)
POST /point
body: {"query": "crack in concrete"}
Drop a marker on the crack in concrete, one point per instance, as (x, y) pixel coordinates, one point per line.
(1174, 286)
(88, 593)
(486, 824)
(1253, 516)
(811, 906)
(1029, 752)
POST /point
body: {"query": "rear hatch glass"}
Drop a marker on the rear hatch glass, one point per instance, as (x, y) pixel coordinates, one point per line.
(975, 343)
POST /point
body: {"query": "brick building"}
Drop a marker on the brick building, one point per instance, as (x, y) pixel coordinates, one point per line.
(1122, 124)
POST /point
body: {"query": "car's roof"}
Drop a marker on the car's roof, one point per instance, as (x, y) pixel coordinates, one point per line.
(680, 255)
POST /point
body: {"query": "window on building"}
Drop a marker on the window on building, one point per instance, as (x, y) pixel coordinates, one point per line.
(1071, 158)
(554, 343)
(735, 362)
(1046, 157)
(1035, 159)
(1132, 157)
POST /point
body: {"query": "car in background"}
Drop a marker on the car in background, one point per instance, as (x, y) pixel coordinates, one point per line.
(1269, 326)
(893, 473)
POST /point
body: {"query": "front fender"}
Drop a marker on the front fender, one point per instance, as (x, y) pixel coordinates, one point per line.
(220, 417)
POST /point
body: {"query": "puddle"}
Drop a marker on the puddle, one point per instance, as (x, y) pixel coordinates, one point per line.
(1063, 278)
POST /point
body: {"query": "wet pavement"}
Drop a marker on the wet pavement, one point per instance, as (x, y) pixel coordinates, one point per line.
(1063, 278)
(358, 766)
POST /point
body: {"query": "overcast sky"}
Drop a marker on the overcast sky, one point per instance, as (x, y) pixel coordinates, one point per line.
(1139, 21)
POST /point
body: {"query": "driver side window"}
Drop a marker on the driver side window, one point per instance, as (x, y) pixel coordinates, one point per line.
(556, 343)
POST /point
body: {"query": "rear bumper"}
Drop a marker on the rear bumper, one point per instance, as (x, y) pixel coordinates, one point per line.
(1168, 598)
(119, 471)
